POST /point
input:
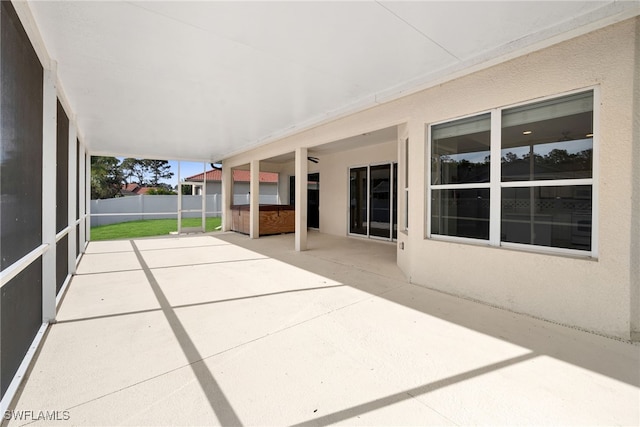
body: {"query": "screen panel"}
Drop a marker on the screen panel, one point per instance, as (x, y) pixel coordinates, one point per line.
(21, 191)
(62, 195)
(20, 319)
(62, 170)
(62, 262)
(21, 134)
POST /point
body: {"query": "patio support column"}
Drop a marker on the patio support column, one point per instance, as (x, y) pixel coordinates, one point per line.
(87, 195)
(49, 126)
(418, 201)
(301, 198)
(254, 200)
(82, 195)
(227, 197)
(73, 195)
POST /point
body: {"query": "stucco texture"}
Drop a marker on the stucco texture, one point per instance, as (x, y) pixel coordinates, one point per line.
(592, 293)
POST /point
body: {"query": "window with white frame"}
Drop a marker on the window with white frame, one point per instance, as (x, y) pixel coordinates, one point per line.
(460, 159)
(539, 191)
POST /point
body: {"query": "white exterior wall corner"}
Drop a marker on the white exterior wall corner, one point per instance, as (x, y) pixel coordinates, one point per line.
(591, 294)
(635, 197)
(402, 254)
(594, 295)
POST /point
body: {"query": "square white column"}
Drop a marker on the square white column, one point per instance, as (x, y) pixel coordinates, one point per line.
(73, 196)
(301, 198)
(227, 197)
(82, 194)
(49, 127)
(254, 200)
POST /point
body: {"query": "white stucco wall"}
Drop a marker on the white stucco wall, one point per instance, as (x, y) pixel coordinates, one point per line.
(594, 294)
(334, 182)
(635, 199)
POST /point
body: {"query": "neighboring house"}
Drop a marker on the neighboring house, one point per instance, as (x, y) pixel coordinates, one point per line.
(269, 182)
(134, 190)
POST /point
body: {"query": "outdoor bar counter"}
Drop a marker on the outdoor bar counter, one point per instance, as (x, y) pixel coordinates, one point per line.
(274, 219)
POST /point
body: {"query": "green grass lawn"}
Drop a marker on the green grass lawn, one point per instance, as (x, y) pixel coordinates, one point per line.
(147, 227)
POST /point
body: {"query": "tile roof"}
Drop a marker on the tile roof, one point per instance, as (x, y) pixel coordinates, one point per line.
(134, 189)
(238, 176)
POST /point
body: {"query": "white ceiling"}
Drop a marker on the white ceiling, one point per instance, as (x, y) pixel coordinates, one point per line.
(201, 80)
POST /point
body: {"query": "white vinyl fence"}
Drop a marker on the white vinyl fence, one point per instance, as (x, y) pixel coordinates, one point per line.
(133, 208)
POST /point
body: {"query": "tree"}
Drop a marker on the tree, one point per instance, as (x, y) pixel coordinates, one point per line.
(161, 191)
(130, 168)
(510, 157)
(158, 169)
(106, 177)
(557, 157)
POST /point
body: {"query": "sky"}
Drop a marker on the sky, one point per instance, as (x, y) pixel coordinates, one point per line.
(186, 169)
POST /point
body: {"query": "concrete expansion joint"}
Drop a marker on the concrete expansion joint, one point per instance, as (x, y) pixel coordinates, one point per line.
(631, 339)
(204, 358)
(415, 398)
(355, 267)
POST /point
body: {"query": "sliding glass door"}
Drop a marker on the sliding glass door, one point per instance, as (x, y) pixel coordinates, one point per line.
(380, 200)
(313, 198)
(358, 218)
(373, 196)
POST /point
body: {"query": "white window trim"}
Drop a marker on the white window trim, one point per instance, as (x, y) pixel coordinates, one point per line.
(469, 186)
(495, 184)
(547, 183)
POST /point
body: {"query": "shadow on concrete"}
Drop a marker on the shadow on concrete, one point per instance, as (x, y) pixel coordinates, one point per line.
(216, 397)
(196, 304)
(373, 405)
(604, 355)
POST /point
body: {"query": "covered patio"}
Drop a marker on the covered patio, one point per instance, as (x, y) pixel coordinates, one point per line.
(502, 296)
(222, 329)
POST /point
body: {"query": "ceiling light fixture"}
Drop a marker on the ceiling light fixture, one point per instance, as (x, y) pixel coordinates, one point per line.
(527, 132)
(589, 135)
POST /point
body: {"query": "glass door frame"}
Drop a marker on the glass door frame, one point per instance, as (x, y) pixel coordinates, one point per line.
(393, 166)
(292, 180)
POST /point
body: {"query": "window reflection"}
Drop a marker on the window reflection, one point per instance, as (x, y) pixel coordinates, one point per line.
(380, 186)
(547, 216)
(460, 151)
(548, 140)
(460, 212)
(358, 201)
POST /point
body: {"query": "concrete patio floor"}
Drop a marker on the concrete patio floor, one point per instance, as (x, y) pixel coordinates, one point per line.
(221, 329)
